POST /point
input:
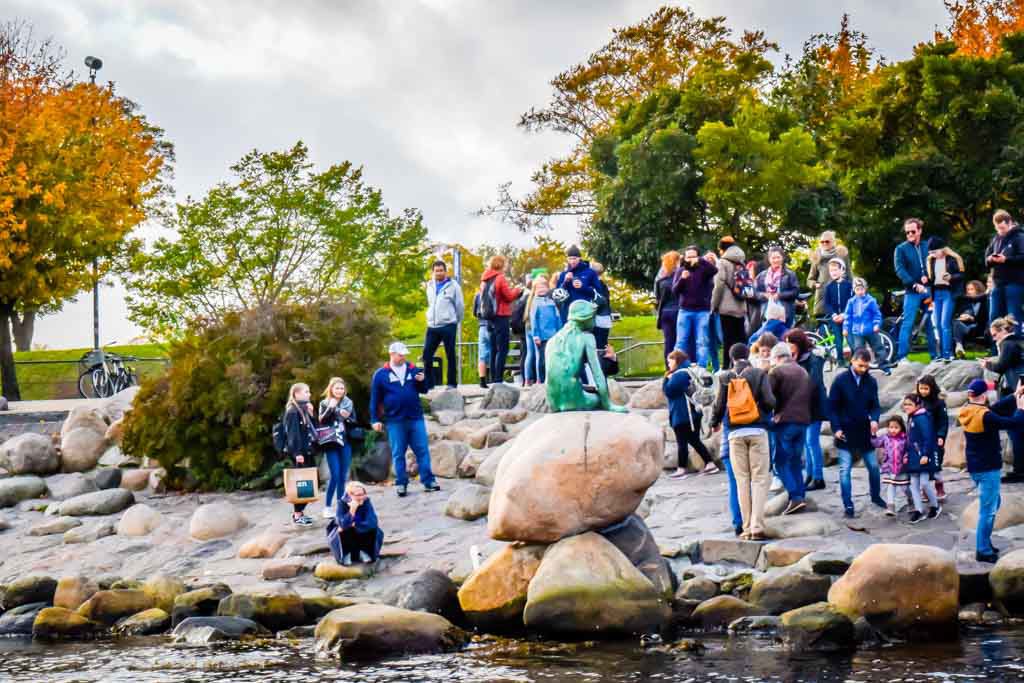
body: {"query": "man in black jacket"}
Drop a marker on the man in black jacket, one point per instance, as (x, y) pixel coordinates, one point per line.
(1005, 256)
(853, 412)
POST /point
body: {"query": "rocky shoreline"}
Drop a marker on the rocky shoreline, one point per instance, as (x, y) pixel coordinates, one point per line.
(594, 543)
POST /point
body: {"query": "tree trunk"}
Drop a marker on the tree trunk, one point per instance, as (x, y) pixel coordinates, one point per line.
(24, 327)
(8, 373)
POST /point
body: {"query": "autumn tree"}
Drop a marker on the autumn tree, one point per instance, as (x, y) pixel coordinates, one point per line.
(661, 51)
(80, 168)
(280, 232)
(977, 27)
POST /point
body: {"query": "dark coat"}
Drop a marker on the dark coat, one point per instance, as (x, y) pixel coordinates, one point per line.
(982, 447)
(794, 392)
(1009, 363)
(977, 308)
(837, 293)
(921, 444)
(694, 292)
(666, 300)
(852, 409)
(814, 365)
(1012, 246)
(677, 387)
(298, 429)
(789, 289)
(909, 261)
(588, 282)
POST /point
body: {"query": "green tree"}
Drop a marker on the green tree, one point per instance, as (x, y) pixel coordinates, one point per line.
(281, 231)
(228, 381)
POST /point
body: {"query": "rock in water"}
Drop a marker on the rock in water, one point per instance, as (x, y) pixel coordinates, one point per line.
(573, 472)
(18, 621)
(362, 632)
(29, 589)
(500, 396)
(586, 586)
(900, 587)
(428, 591)
(1007, 581)
(164, 590)
(202, 602)
(784, 591)
(722, 610)
(109, 607)
(73, 591)
(205, 630)
(215, 520)
(494, 596)
(469, 502)
(99, 503)
(29, 453)
(819, 627)
(145, 623)
(634, 540)
(276, 609)
(13, 490)
(58, 623)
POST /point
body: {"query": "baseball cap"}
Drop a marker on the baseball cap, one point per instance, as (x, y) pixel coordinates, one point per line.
(977, 387)
(399, 348)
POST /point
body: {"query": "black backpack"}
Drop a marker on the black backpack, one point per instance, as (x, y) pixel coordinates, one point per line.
(487, 303)
(279, 436)
(518, 320)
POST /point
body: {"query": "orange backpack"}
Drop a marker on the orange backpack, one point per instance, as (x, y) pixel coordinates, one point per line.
(741, 404)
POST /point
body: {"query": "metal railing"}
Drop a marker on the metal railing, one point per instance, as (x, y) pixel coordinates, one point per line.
(43, 380)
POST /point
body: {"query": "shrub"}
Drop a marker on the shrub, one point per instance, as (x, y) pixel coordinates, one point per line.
(208, 418)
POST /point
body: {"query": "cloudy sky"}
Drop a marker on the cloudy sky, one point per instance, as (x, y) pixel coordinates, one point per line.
(425, 94)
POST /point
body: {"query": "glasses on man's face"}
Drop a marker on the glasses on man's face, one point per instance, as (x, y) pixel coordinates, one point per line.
(1002, 221)
(826, 241)
(911, 231)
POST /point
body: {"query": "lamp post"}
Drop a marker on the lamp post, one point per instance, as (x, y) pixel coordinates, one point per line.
(94, 64)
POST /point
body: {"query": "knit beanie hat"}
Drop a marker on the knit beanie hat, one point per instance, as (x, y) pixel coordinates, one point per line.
(839, 262)
(860, 282)
(573, 251)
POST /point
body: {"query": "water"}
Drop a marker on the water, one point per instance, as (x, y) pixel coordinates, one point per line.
(982, 656)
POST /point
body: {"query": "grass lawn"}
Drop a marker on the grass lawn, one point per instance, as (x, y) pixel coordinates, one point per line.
(40, 380)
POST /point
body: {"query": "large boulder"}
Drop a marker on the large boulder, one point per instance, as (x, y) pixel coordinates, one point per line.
(1007, 581)
(634, 540)
(494, 596)
(81, 449)
(649, 397)
(446, 456)
(428, 591)
(18, 621)
(98, 503)
(900, 587)
(146, 623)
(487, 472)
(277, 609)
(955, 376)
(136, 479)
(720, 611)
(13, 490)
(500, 396)
(120, 403)
(215, 520)
(29, 589)
(65, 486)
(164, 590)
(819, 627)
(469, 502)
(784, 591)
(85, 417)
(375, 463)
(110, 606)
(206, 630)
(369, 631)
(585, 585)
(448, 401)
(59, 623)
(572, 472)
(1011, 512)
(201, 602)
(73, 591)
(29, 453)
(138, 520)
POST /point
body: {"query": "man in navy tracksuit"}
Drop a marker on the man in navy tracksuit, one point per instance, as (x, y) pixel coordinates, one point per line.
(395, 405)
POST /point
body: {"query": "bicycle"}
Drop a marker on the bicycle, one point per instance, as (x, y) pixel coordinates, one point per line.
(918, 334)
(827, 344)
(105, 374)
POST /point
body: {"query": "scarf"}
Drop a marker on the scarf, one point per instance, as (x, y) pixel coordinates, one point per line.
(773, 278)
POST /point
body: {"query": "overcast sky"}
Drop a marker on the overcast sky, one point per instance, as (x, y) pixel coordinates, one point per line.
(424, 94)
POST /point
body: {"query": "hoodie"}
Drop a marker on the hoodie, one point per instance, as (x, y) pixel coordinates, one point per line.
(503, 293)
(694, 291)
(1011, 246)
(588, 282)
(444, 303)
(982, 446)
(723, 300)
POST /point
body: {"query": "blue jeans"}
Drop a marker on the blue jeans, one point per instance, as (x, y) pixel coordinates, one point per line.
(403, 434)
(871, 341)
(837, 332)
(1006, 299)
(530, 367)
(789, 443)
(339, 460)
(714, 340)
(942, 320)
(988, 506)
(734, 498)
(846, 464)
(483, 344)
(812, 449)
(692, 335)
(911, 305)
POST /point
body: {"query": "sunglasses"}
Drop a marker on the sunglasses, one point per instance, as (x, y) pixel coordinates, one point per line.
(910, 232)
(1002, 220)
(826, 241)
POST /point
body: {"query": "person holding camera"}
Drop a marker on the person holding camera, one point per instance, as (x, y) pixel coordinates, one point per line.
(336, 412)
(693, 283)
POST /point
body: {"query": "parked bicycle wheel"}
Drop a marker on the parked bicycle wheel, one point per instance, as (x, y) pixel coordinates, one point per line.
(85, 385)
(824, 349)
(888, 346)
(101, 382)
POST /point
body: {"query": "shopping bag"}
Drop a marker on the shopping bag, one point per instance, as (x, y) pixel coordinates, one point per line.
(301, 485)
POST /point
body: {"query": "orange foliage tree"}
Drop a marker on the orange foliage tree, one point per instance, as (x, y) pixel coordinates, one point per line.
(977, 26)
(80, 168)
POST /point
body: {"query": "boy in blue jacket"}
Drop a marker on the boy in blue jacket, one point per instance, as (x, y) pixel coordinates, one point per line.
(984, 457)
(862, 322)
(836, 295)
(395, 405)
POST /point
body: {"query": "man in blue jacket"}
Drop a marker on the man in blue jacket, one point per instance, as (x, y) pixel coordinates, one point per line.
(578, 279)
(395, 405)
(910, 259)
(853, 412)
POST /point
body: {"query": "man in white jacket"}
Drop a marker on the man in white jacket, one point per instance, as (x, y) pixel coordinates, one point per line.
(445, 309)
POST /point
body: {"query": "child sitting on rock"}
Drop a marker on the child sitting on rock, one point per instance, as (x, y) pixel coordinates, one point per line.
(893, 462)
(922, 458)
(353, 534)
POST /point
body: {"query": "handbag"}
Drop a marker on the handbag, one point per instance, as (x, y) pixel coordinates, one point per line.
(326, 436)
(302, 484)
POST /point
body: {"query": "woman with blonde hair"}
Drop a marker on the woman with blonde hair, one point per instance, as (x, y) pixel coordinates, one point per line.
(667, 303)
(354, 535)
(300, 436)
(1009, 364)
(336, 412)
(945, 271)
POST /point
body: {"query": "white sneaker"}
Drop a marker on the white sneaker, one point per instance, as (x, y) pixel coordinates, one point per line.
(328, 513)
